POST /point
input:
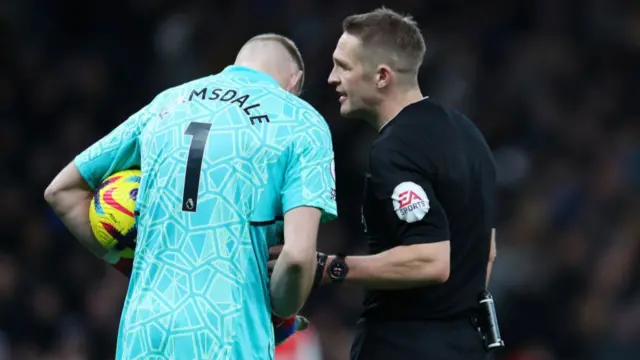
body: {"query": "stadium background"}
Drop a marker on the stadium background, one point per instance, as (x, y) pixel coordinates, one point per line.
(553, 84)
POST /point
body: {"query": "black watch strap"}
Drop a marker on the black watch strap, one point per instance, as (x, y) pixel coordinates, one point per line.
(321, 265)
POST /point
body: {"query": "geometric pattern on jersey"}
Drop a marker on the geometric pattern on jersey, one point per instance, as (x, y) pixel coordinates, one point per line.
(199, 286)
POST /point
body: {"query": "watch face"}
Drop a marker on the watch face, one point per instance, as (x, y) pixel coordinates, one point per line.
(337, 271)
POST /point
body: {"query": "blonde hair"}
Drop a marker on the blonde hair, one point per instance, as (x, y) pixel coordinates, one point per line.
(392, 36)
(291, 48)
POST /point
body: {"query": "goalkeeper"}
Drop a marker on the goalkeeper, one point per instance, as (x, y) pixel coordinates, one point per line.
(223, 158)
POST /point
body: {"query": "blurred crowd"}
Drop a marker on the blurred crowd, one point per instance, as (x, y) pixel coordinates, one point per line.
(553, 85)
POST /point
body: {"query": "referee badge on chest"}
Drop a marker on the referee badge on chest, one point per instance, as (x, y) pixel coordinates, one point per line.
(410, 202)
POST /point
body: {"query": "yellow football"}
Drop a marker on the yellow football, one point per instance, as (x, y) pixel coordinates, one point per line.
(112, 212)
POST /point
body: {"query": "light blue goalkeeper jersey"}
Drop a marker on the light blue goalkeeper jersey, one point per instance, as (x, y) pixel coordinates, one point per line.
(222, 158)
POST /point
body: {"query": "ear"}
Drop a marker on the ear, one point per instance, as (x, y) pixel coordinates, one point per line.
(295, 85)
(384, 76)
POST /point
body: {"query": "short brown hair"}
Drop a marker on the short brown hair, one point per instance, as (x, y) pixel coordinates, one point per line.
(394, 36)
(289, 45)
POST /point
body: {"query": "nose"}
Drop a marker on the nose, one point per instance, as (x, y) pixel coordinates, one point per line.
(333, 78)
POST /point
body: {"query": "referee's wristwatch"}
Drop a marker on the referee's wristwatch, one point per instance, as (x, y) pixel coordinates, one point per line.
(338, 269)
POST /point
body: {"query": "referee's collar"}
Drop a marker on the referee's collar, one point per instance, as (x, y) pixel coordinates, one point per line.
(404, 110)
(238, 69)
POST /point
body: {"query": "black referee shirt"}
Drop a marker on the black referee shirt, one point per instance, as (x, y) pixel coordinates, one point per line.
(431, 178)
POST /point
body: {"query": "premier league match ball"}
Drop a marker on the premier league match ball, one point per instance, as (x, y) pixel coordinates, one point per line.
(111, 212)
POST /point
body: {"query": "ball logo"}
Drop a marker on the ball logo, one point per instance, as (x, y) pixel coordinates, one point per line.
(410, 202)
(133, 194)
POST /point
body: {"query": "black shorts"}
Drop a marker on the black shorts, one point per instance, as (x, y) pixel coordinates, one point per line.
(417, 340)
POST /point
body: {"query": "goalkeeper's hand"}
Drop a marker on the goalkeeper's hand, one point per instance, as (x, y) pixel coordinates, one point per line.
(285, 328)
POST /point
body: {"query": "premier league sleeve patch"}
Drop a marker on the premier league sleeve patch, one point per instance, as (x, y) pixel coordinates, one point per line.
(410, 202)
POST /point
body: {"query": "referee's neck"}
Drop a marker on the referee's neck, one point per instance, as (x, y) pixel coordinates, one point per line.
(394, 102)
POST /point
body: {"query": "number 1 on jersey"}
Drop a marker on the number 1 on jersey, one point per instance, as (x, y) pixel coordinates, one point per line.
(199, 133)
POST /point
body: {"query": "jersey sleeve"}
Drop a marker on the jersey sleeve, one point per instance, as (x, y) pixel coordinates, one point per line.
(407, 188)
(310, 173)
(119, 150)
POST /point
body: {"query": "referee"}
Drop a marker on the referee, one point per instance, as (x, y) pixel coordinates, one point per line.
(428, 203)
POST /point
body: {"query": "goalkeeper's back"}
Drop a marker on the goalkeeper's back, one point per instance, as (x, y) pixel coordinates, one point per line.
(223, 157)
